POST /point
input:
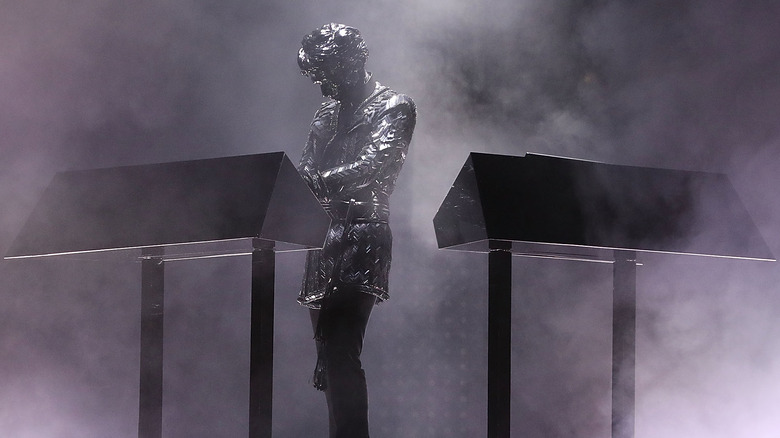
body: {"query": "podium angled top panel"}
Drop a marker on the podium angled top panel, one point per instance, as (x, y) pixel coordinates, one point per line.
(188, 202)
(561, 207)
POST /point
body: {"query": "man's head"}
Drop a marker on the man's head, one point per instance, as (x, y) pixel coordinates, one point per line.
(334, 57)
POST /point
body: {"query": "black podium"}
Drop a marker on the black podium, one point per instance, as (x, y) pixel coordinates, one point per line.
(252, 204)
(553, 207)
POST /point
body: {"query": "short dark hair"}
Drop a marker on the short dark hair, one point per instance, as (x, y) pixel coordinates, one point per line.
(333, 42)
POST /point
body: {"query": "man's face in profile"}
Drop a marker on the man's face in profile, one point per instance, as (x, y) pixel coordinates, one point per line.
(333, 77)
(327, 80)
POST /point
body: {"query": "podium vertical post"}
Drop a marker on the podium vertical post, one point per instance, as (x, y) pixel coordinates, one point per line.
(499, 338)
(623, 344)
(262, 340)
(152, 316)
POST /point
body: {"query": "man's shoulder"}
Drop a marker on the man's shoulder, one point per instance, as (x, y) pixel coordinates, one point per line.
(391, 100)
(326, 108)
(322, 122)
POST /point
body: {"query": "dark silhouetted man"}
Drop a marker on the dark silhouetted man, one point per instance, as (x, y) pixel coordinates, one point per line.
(356, 147)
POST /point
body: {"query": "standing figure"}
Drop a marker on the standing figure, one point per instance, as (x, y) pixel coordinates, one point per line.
(356, 146)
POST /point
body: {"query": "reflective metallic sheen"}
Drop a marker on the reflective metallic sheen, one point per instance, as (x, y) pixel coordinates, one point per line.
(352, 171)
(334, 51)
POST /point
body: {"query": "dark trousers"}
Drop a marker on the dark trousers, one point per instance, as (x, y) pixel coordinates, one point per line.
(343, 320)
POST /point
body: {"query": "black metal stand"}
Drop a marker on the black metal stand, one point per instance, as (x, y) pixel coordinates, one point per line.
(260, 197)
(623, 344)
(500, 341)
(499, 338)
(262, 340)
(570, 209)
(261, 348)
(151, 378)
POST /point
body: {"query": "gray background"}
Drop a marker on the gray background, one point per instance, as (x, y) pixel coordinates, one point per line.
(680, 84)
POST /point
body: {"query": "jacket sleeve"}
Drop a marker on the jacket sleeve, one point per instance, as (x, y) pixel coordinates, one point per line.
(382, 157)
(307, 168)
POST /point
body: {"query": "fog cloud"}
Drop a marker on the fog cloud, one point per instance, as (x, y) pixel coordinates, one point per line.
(686, 85)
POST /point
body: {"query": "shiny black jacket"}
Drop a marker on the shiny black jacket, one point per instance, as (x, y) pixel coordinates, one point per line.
(352, 167)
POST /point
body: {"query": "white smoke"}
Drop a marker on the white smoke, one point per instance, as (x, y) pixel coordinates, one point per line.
(688, 85)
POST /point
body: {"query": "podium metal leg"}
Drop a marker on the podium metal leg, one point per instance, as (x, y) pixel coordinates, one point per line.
(151, 378)
(623, 344)
(262, 340)
(499, 340)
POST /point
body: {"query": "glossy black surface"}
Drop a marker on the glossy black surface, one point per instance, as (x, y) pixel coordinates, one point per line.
(576, 209)
(168, 204)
